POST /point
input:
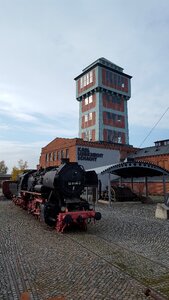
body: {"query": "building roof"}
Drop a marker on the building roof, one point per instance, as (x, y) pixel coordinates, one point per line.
(103, 62)
(5, 176)
(136, 169)
(99, 170)
(151, 151)
(67, 142)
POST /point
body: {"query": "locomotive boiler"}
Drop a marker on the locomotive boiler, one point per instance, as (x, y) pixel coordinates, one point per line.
(54, 195)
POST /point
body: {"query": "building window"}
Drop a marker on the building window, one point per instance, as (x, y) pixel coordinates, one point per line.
(51, 156)
(62, 153)
(119, 139)
(90, 99)
(119, 118)
(91, 76)
(47, 157)
(114, 136)
(86, 118)
(88, 135)
(54, 156)
(81, 82)
(86, 79)
(67, 153)
(109, 136)
(58, 155)
(86, 100)
(90, 116)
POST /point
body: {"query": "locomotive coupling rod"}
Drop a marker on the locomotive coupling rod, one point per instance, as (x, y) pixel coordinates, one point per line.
(154, 295)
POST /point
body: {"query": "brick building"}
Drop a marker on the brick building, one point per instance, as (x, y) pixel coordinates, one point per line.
(103, 90)
(89, 154)
(158, 155)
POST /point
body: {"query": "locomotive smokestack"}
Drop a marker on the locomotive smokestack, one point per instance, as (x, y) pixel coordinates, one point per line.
(65, 160)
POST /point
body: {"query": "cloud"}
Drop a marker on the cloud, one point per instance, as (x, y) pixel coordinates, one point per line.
(12, 151)
(4, 127)
(12, 105)
(44, 46)
(17, 108)
(148, 108)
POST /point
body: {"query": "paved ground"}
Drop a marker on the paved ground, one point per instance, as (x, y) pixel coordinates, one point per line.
(117, 258)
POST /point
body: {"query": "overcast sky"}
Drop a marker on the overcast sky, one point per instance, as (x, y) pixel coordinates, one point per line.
(45, 44)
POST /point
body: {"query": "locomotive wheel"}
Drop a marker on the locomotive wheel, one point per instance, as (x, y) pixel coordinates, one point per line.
(50, 214)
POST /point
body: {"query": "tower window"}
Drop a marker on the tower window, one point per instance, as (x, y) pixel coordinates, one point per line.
(86, 100)
(88, 135)
(86, 118)
(91, 76)
(86, 79)
(81, 82)
(90, 99)
(119, 139)
(119, 118)
(90, 116)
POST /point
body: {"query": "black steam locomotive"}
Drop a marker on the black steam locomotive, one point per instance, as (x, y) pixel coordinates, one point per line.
(54, 195)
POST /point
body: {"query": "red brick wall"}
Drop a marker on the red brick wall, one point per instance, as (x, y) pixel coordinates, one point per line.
(116, 79)
(58, 145)
(108, 103)
(154, 188)
(111, 122)
(160, 160)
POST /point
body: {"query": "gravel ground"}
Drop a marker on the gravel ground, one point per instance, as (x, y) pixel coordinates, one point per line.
(117, 258)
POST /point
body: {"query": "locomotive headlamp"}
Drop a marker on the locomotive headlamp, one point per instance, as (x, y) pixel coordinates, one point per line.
(63, 208)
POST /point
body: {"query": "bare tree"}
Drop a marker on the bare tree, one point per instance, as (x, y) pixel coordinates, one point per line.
(22, 165)
(3, 167)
